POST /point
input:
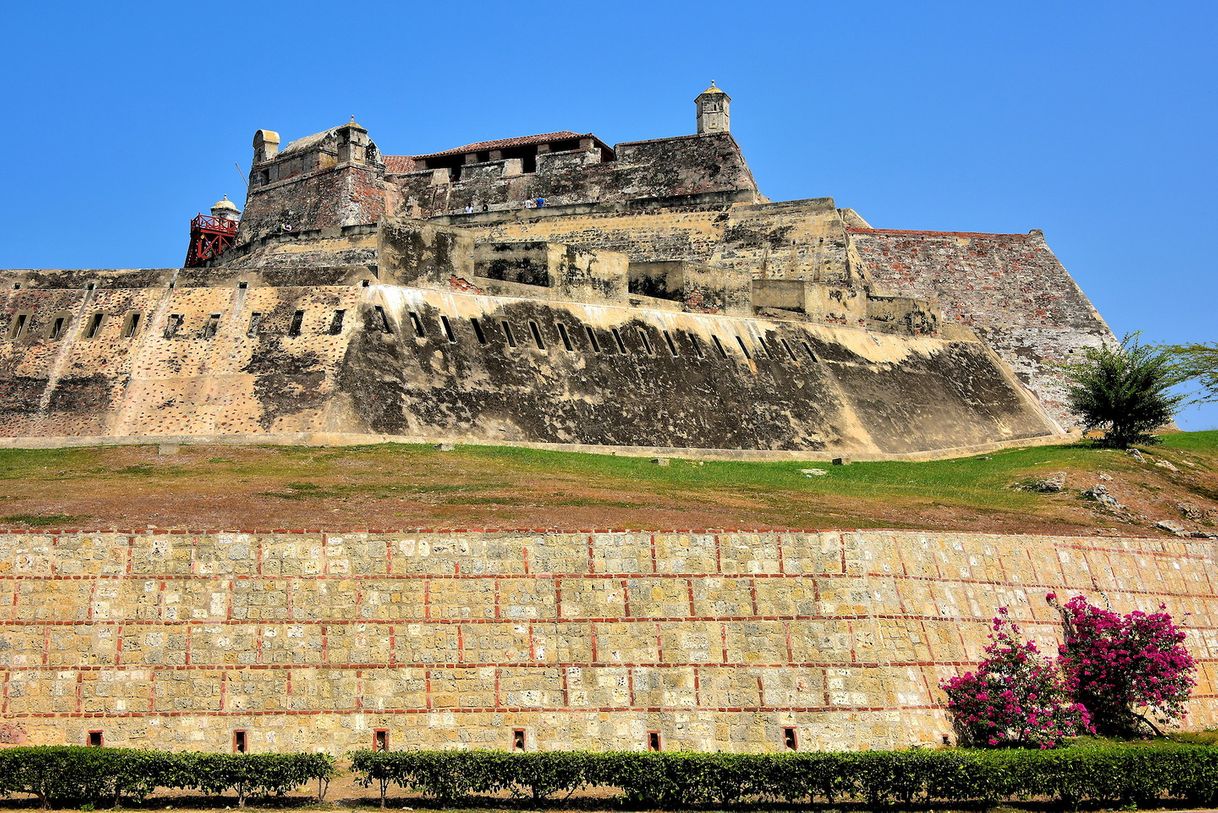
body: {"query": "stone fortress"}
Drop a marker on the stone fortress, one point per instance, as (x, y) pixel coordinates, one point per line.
(547, 290)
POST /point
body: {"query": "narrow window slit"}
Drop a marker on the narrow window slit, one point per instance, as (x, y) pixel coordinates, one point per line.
(536, 331)
(566, 339)
(596, 345)
(743, 348)
(336, 322)
(417, 324)
(240, 742)
(518, 739)
(448, 329)
(672, 346)
(211, 326)
(57, 327)
(647, 348)
(789, 740)
(790, 352)
(617, 337)
(478, 330)
(507, 331)
(19, 325)
(96, 739)
(255, 321)
(719, 346)
(380, 739)
(808, 349)
(94, 326)
(697, 345)
(172, 324)
(297, 321)
(132, 326)
(653, 740)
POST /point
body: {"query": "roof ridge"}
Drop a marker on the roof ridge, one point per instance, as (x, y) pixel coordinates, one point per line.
(934, 233)
(505, 142)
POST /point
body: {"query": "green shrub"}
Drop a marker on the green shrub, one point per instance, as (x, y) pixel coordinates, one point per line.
(1116, 774)
(73, 775)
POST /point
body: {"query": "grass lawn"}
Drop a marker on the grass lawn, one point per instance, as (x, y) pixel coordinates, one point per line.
(392, 486)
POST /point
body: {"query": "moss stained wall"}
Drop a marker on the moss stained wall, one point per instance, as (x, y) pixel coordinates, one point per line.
(238, 364)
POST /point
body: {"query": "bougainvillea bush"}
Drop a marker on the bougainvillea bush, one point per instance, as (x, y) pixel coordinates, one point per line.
(1130, 671)
(1016, 697)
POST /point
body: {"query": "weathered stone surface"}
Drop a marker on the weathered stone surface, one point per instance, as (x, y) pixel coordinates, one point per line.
(311, 640)
(290, 350)
(1010, 288)
(1052, 484)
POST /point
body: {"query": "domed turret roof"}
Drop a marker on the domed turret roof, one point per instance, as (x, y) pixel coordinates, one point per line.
(713, 90)
(224, 204)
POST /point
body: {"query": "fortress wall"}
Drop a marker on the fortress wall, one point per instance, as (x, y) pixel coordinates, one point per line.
(663, 168)
(191, 383)
(717, 640)
(331, 198)
(806, 387)
(793, 240)
(1009, 288)
(828, 390)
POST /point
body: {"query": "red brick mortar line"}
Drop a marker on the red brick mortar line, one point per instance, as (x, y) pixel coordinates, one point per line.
(569, 531)
(428, 578)
(602, 619)
(932, 233)
(99, 715)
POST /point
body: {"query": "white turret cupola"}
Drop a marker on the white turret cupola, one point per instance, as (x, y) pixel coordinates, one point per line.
(225, 209)
(714, 110)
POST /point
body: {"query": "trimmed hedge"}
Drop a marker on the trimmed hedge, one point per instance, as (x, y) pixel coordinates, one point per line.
(75, 775)
(1114, 774)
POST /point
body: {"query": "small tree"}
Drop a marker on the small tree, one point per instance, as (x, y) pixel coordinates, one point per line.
(1015, 698)
(1199, 362)
(1128, 670)
(1124, 390)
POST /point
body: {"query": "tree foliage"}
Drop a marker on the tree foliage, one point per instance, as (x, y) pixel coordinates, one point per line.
(1128, 670)
(1125, 390)
(1015, 698)
(1199, 362)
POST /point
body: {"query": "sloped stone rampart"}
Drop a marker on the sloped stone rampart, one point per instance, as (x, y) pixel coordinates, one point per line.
(283, 351)
(717, 640)
(1009, 288)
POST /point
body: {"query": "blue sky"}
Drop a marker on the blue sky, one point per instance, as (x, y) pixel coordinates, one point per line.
(1095, 122)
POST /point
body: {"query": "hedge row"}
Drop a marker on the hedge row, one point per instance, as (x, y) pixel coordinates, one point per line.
(75, 774)
(1114, 774)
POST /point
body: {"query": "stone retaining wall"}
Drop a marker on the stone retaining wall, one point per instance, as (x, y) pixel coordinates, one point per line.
(716, 640)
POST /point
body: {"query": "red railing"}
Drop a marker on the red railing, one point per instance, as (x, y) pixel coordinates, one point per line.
(212, 223)
(210, 236)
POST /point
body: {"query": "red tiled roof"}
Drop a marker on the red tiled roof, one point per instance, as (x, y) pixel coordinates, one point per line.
(502, 143)
(398, 163)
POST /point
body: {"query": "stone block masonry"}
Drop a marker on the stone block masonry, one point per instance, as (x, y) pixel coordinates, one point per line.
(717, 640)
(1009, 288)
